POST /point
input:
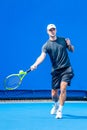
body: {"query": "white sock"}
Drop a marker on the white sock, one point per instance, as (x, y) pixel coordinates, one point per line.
(60, 108)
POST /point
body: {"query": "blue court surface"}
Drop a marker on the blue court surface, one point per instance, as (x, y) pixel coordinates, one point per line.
(36, 116)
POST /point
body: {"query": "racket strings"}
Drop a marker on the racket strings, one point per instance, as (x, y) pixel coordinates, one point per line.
(12, 82)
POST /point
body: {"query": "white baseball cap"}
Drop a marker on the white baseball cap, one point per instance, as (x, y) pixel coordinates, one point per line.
(49, 26)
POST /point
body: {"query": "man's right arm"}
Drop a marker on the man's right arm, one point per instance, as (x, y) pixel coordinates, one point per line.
(38, 61)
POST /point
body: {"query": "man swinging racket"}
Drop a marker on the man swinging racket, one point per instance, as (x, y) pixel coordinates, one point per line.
(62, 72)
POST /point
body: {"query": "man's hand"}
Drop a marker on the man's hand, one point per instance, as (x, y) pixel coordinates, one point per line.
(68, 42)
(70, 47)
(33, 67)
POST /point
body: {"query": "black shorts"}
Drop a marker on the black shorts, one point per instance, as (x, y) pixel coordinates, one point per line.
(64, 74)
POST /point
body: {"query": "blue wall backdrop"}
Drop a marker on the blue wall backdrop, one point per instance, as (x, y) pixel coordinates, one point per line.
(23, 32)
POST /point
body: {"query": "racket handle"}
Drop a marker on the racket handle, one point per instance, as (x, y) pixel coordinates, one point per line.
(28, 70)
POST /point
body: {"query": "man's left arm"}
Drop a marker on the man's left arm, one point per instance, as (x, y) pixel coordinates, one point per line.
(69, 45)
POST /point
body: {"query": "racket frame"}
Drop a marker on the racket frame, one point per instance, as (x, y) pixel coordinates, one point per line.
(21, 76)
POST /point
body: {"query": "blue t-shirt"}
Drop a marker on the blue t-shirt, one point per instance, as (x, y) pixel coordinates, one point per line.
(57, 51)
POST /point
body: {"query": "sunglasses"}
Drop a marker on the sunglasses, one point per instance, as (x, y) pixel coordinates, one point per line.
(52, 29)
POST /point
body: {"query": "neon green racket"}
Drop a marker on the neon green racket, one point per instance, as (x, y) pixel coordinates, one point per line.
(13, 81)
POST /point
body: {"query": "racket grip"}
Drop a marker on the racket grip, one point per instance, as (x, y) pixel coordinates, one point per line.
(28, 70)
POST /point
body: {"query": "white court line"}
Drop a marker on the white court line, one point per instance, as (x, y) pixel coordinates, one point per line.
(34, 101)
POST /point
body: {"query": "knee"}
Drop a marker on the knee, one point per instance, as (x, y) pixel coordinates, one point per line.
(63, 87)
(63, 91)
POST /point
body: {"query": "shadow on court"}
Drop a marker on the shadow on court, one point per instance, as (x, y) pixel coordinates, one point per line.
(68, 116)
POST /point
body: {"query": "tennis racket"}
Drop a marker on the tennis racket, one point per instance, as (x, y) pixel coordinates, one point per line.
(13, 81)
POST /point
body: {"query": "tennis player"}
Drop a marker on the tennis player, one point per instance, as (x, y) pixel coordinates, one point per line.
(62, 72)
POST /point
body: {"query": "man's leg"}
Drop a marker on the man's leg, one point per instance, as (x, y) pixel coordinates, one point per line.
(54, 94)
(62, 98)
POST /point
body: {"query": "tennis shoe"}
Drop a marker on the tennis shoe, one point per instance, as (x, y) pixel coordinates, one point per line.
(58, 115)
(54, 110)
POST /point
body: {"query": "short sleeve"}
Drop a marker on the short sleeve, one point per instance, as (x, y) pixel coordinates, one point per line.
(44, 48)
